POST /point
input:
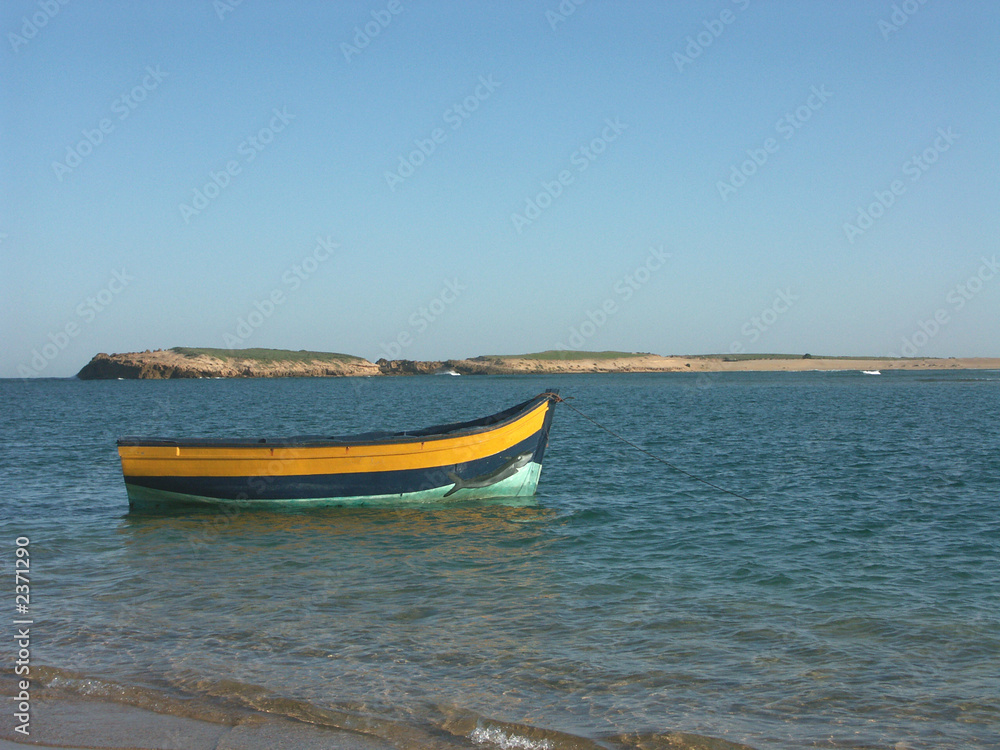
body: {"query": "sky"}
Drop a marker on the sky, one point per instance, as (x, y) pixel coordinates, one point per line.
(431, 180)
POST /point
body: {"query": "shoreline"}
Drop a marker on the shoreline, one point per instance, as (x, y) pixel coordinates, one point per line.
(164, 364)
(78, 712)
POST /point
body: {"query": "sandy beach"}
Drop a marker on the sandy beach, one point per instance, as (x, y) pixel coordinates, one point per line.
(107, 725)
(657, 363)
(98, 725)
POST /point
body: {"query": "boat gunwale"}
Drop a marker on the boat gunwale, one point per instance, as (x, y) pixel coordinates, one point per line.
(437, 432)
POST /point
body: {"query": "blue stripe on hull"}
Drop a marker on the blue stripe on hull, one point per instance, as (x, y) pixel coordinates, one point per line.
(522, 484)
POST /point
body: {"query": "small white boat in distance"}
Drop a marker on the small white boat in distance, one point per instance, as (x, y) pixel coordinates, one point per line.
(871, 372)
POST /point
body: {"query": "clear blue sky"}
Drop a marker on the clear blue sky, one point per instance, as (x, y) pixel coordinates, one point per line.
(447, 179)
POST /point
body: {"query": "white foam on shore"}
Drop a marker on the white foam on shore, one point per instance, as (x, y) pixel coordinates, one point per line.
(499, 738)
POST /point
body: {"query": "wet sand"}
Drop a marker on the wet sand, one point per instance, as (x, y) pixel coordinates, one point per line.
(89, 725)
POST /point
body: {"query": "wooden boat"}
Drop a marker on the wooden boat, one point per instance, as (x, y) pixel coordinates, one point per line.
(495, 456)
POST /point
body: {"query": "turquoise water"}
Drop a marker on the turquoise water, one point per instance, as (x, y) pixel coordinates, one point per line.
(853, 602)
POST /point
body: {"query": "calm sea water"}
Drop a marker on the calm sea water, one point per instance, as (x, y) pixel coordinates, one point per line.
(854, 602)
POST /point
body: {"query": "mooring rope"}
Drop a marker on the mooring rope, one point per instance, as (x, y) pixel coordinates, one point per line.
(559, 399)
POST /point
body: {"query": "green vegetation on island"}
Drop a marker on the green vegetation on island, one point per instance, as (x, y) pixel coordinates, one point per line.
(265, 356)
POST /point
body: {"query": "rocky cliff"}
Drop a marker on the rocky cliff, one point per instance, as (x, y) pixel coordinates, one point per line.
(174, 363)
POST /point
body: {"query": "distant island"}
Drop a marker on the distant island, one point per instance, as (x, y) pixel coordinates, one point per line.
(188, 362)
